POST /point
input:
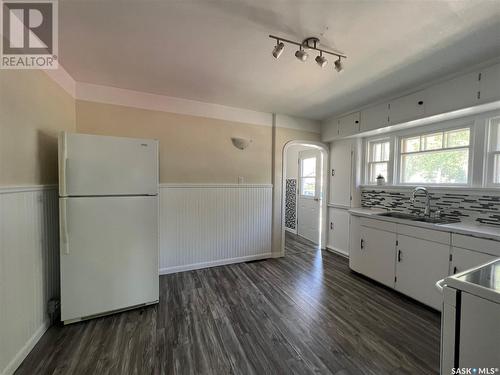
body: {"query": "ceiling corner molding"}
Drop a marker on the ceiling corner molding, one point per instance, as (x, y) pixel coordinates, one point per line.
(298, 123)
(63, 79)
(142, 100)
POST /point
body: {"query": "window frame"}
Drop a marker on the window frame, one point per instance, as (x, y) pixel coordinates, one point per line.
(477, 147)
(489, 156)
(428, 131)
(366, 160)
(301, 177)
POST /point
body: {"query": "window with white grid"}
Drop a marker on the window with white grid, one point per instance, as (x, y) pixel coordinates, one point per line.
(378, 160)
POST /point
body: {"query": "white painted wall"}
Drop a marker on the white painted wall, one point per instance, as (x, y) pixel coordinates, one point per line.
(209, 225)
(29, 269)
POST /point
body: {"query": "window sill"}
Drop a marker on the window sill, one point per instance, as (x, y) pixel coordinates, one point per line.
(438, 188)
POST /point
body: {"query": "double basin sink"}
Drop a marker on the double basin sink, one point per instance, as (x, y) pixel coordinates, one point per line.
(424, 219)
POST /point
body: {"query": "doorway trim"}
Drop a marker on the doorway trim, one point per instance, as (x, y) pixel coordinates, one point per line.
(323, 148)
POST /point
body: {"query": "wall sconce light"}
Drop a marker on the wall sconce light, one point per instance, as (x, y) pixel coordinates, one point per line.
(241, 143)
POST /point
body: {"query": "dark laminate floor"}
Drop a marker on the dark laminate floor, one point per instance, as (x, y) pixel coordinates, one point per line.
(305, 313)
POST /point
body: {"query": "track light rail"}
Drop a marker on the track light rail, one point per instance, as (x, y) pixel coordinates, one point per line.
(303, 45)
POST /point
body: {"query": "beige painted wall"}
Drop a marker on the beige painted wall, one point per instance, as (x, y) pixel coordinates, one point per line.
(281, 137)
(33, 110)
(192, 149)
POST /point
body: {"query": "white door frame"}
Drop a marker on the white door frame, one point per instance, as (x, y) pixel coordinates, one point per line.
(323, 148)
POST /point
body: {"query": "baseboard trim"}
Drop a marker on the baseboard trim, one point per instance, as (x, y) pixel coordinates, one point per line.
(25, 350)
(294, 231)
(338, 252)
(25, 188)
(215, 263)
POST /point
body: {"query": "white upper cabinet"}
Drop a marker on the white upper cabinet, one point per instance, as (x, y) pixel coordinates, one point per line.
(329, 130)
(457, 93)
(406, 108)
(348, 125)
(489, 84)
(375, 117)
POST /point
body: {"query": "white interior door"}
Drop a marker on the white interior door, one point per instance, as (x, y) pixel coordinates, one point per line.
(309, 194)
(109, 254)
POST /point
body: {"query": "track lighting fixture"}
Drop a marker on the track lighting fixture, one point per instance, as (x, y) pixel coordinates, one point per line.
(320, 59)
(301, 54)
(278, 49)
(309, 44)
(338, 65)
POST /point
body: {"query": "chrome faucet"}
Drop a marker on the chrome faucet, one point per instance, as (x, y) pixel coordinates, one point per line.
(427, 211)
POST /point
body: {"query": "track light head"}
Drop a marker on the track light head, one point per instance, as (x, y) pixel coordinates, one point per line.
(301, 55)
(320, 59)
(338, 65)
(278, 50)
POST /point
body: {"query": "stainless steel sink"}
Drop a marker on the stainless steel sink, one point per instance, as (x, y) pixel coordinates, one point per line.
(425, 219)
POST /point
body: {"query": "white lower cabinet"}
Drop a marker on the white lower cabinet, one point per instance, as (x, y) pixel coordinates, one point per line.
(377, 253)
(463, 259)
(338, 232)
(420, 264)
(412, 259)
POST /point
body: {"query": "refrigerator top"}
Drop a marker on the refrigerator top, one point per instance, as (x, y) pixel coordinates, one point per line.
(94, 165)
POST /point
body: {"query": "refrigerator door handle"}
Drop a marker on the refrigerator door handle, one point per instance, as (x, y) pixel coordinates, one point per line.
(63, 226)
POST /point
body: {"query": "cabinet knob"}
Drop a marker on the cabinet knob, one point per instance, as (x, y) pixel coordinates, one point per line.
(420, 102)
(357, 121)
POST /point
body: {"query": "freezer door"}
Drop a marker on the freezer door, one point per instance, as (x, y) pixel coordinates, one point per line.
(99, 165)
(109, 254)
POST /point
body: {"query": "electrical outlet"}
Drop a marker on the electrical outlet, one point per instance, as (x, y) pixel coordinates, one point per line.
(241, 180)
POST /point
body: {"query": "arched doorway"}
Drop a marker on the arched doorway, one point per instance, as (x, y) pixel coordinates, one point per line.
(311, 191)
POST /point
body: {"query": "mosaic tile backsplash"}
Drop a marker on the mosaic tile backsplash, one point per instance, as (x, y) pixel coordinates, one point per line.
(484, 209)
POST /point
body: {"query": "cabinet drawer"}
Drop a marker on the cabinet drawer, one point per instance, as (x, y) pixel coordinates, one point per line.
(378, 224)
(425, 234)
(481, 245)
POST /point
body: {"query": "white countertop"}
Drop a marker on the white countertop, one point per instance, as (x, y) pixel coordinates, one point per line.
(471, 229)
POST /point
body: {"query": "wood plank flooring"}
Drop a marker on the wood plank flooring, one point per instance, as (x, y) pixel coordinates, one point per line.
(302, 314)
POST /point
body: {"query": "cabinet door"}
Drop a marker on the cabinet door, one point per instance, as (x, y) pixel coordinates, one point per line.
(463, 259)
(490, 84)
(460, 92)
(341, 173)
(349, 125)
(420, 264)
(338, 233)
(329, 130)
(377, 255)
(355, 255)
(375, 117)
(406, 108)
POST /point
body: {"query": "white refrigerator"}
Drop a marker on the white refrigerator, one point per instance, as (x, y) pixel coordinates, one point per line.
(108, 222)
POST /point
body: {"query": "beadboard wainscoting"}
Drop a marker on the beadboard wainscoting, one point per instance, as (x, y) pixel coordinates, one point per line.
(208, 225)
(29, 269)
